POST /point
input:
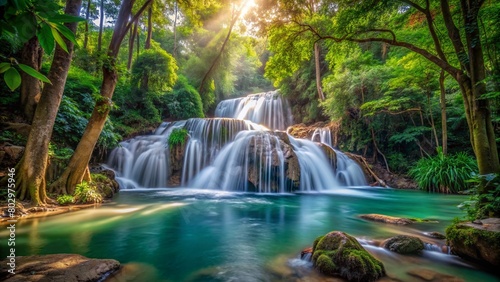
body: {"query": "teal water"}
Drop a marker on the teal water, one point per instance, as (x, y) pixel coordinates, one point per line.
(199, 235)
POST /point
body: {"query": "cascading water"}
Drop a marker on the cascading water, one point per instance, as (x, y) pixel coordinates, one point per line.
(347, 171)
(267, 108)
(235, 154)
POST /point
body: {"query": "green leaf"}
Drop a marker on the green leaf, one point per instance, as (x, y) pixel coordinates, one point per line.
(12, 78)
(59, 40)
(65, 19)
(46, 38)
(66, 32)
(4, 67)
(31, 71)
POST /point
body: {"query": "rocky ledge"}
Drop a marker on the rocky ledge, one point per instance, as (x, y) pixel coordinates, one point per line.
(477, 241)
(57, 268)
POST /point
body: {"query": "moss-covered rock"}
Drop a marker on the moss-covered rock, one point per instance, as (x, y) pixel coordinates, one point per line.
(404, 244)
(476, 242)
(339, 254)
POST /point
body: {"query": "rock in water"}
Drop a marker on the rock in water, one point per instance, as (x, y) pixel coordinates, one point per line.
(58, 268)
(404, 244)
(339, 254)
(476, 242)
(386, 219)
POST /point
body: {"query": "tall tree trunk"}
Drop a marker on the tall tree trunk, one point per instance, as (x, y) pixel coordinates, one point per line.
(442, 101)
(137, 38)
(317, 64)
(211, 69)
(131, 42)
(147, 45)
(86, 34)
(101, 26)
(176, 7)
(76, 170)
(31, 169)
(31, 55)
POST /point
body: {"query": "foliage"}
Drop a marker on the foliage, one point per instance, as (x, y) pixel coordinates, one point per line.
(87, 193)
(177, 137)
(12, 137)
(184, 102)
(444, 173)
(486, 204)
(154, 71)
(64, 200)
(22, 20)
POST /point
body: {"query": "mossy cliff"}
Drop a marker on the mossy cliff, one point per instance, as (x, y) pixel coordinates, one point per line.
(339, 254)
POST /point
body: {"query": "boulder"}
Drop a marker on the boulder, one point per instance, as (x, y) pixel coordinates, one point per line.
(478, 241)
(58, 268)
(404, 244)
(386, 219)
(339, 254)
(435, 235)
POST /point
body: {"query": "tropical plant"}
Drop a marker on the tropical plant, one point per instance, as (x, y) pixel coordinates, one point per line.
(86, 192)
(444, 173)
(481, 205)
(177, 137)
(65, 200)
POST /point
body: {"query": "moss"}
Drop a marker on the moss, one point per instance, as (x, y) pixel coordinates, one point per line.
(340, 254)
(458, 232)
(178, 136)
(404, 244)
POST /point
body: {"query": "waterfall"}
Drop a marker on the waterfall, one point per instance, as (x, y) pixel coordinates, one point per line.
(267, 109)
(234, 153)
(347, 171)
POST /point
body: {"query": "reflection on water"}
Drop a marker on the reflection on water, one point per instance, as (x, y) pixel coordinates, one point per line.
(203, 235)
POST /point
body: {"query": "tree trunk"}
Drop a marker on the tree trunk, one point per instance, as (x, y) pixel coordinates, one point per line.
(321, 96)
(208, 74)
(101, 26)
(174, 52)
(76, 170)
(86, 34)
(147, 45)
(31, 55)
(131, 42)
(31, 169)
(442, 101)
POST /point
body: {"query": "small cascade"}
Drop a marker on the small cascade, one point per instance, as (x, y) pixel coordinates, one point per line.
(267, 109)
(347, 171)
(207, 137)
(254, 162)
(315, 169)
(143, 161)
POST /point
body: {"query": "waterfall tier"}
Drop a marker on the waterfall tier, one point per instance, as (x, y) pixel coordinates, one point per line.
(268, 109)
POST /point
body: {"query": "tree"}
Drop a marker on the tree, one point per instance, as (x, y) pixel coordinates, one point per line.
(30, 175)
(77, 169)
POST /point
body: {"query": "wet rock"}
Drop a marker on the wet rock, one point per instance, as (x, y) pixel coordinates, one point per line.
(404, 244)
(430, 275)
(476, 242)
(435, 235)
(386, 219)
(58, 268)
(339, 254)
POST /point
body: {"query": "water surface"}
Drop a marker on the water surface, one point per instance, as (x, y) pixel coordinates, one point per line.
(203, 235)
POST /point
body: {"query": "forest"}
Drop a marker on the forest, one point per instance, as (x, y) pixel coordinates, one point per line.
(409, 89)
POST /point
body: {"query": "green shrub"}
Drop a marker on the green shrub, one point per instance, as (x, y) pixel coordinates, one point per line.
(184, 102)
(481, 205)
(87, 193)
(444, 173)
(177, 137)
(65, 200)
